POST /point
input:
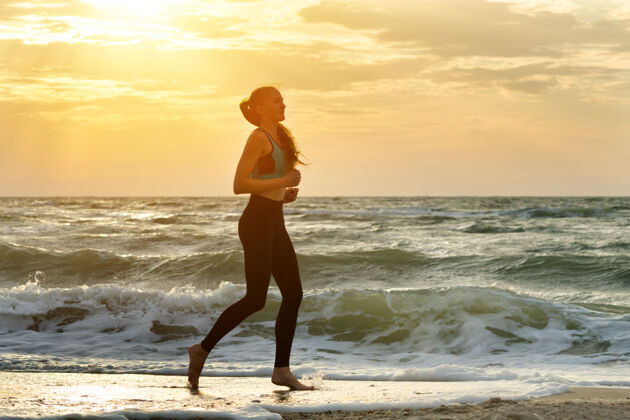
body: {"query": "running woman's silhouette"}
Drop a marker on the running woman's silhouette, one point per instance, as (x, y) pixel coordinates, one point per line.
(267, 171)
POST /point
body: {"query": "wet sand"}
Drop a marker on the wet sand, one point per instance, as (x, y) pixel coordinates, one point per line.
(579, 403)
(59, 396)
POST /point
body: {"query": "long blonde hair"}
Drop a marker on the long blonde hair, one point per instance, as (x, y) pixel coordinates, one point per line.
(248, 105)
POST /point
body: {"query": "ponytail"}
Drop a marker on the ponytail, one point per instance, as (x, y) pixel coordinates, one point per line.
(248, 112)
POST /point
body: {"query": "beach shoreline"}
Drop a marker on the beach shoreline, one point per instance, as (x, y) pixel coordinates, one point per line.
(579, 402)
(56, 395)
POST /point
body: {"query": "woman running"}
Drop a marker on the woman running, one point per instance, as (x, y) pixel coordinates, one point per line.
(267, 171)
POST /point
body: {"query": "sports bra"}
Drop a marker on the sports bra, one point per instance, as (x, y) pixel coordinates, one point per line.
(272, 165)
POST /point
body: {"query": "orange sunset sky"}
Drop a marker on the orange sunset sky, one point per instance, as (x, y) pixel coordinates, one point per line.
(387, 97)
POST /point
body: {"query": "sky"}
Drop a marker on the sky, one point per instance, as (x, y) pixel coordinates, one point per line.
(384, 97)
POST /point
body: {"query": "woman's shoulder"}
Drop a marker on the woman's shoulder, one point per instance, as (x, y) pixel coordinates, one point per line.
(258, 140)
(257, 135)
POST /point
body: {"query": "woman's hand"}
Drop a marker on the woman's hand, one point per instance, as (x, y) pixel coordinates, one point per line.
(293, 178)
(290, 194)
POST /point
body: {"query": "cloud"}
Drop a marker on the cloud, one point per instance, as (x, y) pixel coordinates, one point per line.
(48, 9)
(208, 26)
(55, 26)
(531, 78)
(530, 86)
(228, 70)
(468, 27)
(9, 11)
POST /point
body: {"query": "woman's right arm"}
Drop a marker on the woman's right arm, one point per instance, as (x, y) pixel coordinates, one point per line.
(254, 149)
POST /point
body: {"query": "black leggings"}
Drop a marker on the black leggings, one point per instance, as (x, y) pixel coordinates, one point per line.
(268, 250)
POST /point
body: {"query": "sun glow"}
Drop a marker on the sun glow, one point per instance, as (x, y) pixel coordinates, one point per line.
(139, 8)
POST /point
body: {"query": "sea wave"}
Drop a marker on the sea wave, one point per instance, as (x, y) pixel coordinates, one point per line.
(562, 212)
(361, 264)
(90, 266)
(557, 269)
(467, 321)
(480, 227)
(440, 214)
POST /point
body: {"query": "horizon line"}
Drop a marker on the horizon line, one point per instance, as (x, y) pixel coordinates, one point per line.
(305, 196)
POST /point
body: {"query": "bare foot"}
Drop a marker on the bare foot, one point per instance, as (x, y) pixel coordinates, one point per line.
(197, 359)
(283, 376)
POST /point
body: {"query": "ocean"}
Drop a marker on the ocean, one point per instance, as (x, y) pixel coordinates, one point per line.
(532, 290)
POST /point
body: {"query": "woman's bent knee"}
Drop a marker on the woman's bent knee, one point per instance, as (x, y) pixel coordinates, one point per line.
(254, 304)
(294, 298)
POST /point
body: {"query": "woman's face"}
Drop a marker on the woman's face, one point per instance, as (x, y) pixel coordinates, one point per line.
(272, 106)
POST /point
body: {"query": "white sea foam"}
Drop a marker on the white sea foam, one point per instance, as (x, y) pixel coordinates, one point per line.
(443, 334)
